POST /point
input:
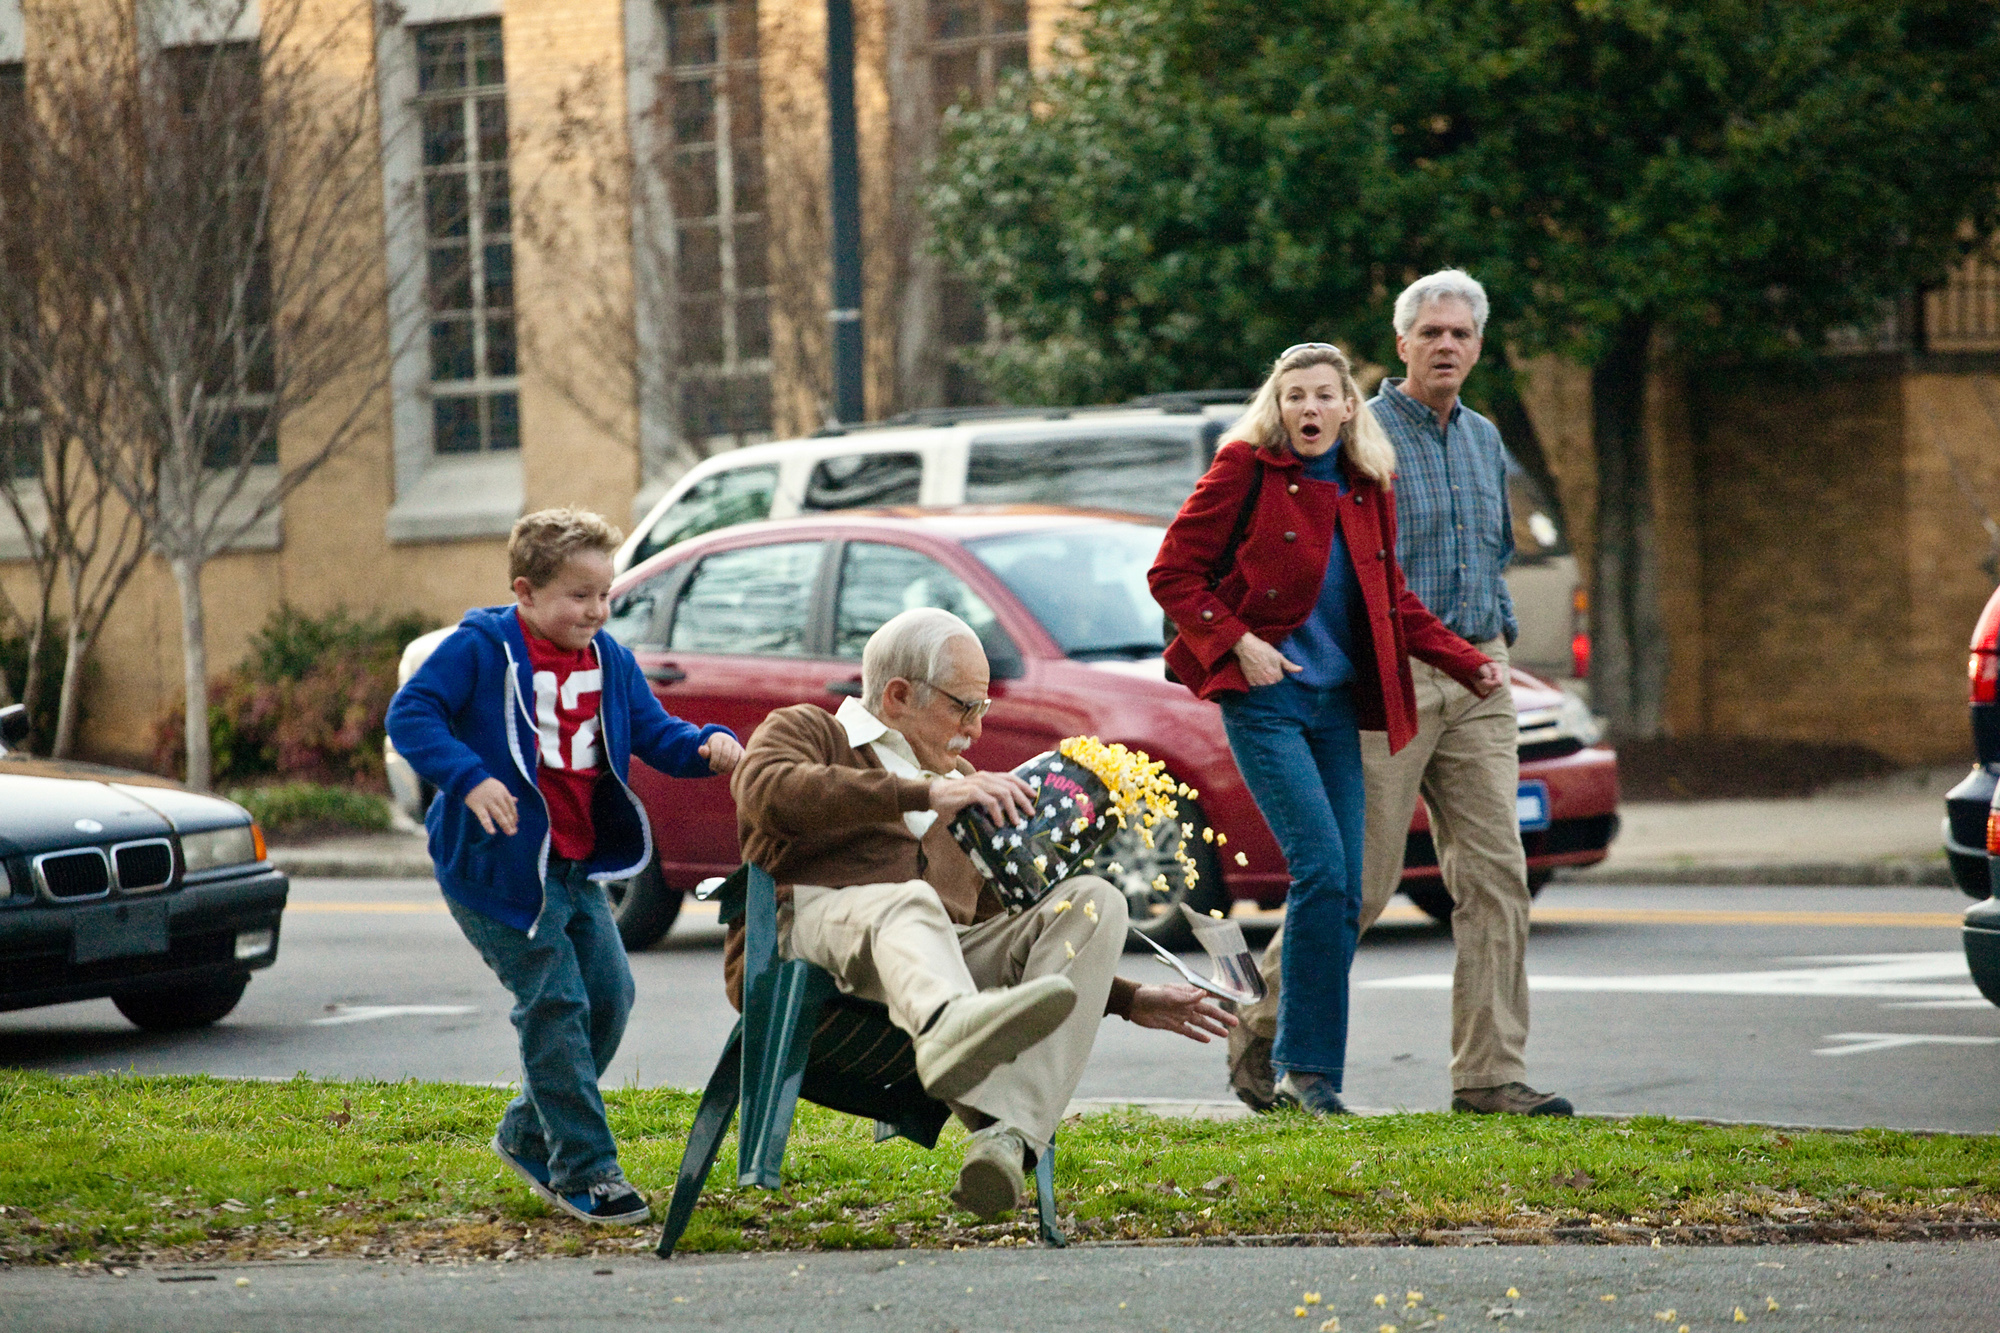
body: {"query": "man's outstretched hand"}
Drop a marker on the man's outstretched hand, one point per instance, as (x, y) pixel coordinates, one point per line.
(1181, 1008)
(1005, 798)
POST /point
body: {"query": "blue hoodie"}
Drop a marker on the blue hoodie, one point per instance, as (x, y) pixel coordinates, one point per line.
(464, 717)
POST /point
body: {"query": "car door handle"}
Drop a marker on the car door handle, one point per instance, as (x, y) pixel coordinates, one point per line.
(850, 688)
(665, 673)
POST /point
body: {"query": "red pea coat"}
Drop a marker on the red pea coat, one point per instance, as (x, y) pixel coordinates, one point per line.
(1275, 579)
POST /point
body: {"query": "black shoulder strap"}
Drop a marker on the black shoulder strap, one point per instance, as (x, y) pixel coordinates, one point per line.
(1222, 566)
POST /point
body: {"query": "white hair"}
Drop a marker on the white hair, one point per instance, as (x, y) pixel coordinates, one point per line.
(911, 646)
(1447, 284)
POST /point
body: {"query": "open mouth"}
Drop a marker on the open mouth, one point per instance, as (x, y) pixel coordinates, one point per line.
(1310, 430)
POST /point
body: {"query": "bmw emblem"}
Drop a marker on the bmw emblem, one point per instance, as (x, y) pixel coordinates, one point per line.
(89, 826)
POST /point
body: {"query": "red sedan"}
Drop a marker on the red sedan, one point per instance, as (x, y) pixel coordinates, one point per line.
(733, 624)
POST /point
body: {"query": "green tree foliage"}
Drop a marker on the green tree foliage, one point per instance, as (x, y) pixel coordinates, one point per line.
(1212, 180)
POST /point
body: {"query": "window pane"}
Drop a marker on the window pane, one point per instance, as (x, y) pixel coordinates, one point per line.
(740, 495)
(445, 205)
(503, 421)
(954, 79)
(750, 255)
(746, 160)
(694, 111)
(493, 129)
(500, 346)
(635, 613)
(1010, 15)
(878, 582)
(497, 213)
(455, 425)
(742, 30)
(698, 266)
(444, 134)
(488, 63)
(954, 18)
(440, 58)
(1007, 57)
(691, 34)
(1140, 474)
(499, 264)
(451, 349)
(450, 278)
(753, 328)
(701, 331)
(754, 602)
(864, 479)
(746, 104)
(694, 184)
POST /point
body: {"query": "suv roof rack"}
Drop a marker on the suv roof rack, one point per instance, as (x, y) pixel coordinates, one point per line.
(952, 416)
(1191, 400)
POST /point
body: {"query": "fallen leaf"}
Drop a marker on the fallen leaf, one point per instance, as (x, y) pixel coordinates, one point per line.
(1219, 1185)
(1503, 1312)
(1579, 1179)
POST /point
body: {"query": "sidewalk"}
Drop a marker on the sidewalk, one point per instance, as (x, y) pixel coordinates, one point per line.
(1883, 831)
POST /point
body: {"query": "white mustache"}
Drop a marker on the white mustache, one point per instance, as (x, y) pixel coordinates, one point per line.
(956, 745)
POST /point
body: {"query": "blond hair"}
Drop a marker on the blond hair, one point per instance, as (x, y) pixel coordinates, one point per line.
(542, 541)
(1263, 427)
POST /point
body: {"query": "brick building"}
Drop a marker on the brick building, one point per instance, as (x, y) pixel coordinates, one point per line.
(632, 272)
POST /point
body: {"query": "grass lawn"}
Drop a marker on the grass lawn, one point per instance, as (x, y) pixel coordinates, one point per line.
(126, 1169)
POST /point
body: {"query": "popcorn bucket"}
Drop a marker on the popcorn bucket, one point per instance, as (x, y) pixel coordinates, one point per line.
(1073, 819)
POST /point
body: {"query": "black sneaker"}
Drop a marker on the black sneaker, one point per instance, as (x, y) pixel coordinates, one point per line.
(1510, 1099)
(611, 1202)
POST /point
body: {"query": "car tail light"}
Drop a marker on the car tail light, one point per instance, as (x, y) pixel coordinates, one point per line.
(1993, 834)
(1579, 641)
(1983, 669)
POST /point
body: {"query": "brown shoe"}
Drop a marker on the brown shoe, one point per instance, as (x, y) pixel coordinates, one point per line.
(1510, 1099)
(1251, 1077)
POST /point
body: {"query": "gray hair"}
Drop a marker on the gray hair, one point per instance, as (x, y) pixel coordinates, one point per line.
(911, 647)
(1447, 284)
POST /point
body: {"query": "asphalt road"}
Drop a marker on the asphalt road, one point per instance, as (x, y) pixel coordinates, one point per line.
(1884, 1288)
(1822, 1006)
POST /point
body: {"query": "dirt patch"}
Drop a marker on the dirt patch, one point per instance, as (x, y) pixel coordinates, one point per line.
(1736, 768)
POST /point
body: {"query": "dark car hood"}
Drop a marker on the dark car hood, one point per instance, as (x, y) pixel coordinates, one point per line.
(41, 801)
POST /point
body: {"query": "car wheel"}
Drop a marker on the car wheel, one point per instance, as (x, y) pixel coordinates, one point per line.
(1152, 913)
(178, 1010)
(644, 907)
(1982, 947)
(1435, 900)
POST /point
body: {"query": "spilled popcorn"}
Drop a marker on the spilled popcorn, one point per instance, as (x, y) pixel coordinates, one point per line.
(1139, 787)
(1242, 860)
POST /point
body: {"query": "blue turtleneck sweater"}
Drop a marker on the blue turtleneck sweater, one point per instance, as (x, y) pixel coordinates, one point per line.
(1324, 645)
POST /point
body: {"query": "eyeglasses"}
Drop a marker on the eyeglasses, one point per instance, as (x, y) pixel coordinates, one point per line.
(1307, 347)
(967, 712)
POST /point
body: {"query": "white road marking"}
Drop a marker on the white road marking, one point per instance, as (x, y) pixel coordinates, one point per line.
(1899, 976)
(1885, 1041)
(366, 1013)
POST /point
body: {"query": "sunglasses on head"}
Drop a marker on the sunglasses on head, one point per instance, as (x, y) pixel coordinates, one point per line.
(1307, 347)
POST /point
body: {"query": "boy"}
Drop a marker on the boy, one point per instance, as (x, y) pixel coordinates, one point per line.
(526, 719)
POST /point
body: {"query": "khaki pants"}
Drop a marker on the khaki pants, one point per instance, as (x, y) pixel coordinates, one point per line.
(894, 944)
(1465, 764)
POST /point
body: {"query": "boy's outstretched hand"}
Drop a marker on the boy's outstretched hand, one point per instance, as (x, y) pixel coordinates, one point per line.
(722, 751)
(493, 806)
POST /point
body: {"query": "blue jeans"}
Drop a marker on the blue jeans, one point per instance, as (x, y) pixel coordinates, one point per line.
(572, 990)
(1299, 750)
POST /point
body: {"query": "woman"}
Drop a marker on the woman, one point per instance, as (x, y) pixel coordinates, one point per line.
(1280, 574)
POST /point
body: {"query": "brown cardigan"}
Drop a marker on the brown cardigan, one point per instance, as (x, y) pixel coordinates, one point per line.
(812, 809)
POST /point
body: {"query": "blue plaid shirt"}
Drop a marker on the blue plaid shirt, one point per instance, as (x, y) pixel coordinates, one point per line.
(1454, 536)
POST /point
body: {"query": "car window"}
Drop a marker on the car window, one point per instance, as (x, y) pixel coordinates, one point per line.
(853, 481)
(635, 613)
(721, 500)
(1143, 474)
(755, 601)
(1087, 586)
(878, 581)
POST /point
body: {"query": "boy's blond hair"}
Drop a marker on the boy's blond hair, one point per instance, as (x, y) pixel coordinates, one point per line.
(543, 540)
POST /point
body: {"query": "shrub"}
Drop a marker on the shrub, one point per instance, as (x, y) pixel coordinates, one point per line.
(307, 702)
(307, 808)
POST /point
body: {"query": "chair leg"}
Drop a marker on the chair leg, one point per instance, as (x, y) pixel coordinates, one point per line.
(778, 1031)
(711, 1122)
(1045, 1197)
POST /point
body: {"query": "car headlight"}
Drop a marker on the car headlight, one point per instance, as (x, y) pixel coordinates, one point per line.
(1574, 718)
(222, 847)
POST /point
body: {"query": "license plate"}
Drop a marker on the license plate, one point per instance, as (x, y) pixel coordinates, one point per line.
(118, 930)
(1531, 805)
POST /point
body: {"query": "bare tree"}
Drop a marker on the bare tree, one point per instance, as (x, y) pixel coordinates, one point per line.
(208, 266)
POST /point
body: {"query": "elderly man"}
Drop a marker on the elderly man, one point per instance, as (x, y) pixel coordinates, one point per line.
(1454, 538)
(849, 811)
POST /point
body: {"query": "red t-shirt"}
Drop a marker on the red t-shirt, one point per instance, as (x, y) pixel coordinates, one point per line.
(568, 686)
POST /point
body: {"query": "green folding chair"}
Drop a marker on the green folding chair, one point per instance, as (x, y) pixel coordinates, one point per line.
(799, 1036)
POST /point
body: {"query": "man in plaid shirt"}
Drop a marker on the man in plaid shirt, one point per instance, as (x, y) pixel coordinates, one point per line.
(1454, 540)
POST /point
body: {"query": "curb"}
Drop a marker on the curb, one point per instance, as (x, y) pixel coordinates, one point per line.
(1894, 873)
(306, 863)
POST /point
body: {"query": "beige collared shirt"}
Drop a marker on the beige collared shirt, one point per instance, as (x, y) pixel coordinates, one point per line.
(892, 748)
